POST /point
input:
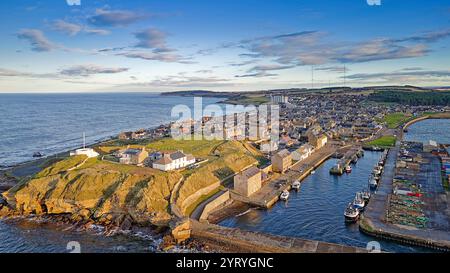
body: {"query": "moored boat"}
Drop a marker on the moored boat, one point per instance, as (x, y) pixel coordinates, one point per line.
(284, 195)
(366, 195)
(358, 202)
(351, 214)
(348, 169)
(376, 171)
(373, 184)
(296, 185)
(337, 170)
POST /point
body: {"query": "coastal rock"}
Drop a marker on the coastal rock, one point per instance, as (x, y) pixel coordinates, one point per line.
(168, 242)
(5, 212)
(181, 230)
(104, 192)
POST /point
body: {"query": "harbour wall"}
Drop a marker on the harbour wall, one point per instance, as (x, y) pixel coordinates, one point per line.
(250, 242)
(214, 204)
(191, 199)
(367, 227)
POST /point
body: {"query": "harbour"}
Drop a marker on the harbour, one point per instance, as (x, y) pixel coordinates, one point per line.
(307, 216)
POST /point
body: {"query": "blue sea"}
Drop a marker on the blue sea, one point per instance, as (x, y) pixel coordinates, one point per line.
(52, 123)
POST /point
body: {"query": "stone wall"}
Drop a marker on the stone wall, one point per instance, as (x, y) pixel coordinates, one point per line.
(194, 197)
(219, 201)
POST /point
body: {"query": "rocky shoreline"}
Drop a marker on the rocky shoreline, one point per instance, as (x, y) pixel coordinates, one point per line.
(160, 238)
(120, 225)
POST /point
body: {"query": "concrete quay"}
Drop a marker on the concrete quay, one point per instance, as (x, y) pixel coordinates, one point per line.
(374, 221)
(269, 194)
(349, 157)
(237, 240)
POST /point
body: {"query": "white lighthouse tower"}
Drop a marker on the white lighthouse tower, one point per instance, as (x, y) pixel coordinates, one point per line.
(89, 152)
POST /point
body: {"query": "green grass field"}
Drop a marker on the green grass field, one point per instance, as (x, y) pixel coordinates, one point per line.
(248, 100)
(395, 120)
(384, 141)
(198, 148)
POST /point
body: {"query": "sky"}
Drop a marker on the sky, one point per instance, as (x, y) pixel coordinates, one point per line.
(221, 45)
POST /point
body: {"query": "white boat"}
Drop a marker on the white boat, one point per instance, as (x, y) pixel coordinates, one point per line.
(358, 202)
(377, 171)
(284, 195)
(313, 172)
(348, 169)
(366, 195)
(373, 182)
(296, 185)
(351, 214)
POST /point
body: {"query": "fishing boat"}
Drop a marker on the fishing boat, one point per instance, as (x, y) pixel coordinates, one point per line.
(376, 149)
(373, 184)
(376, 171)
(348, 169)
(360, 153)
(358, 202)
(351, 214)
(296, 185)
(366, 195)
(284, 195)
(337, 170)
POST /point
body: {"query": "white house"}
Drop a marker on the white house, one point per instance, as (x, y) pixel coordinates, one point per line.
(303, 152)
(85, 151)
(173, 161)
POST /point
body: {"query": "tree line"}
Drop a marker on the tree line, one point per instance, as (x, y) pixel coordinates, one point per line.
(412, 98)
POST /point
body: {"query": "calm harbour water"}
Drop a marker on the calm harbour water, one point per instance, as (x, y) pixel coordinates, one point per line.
(430, 129)
(52, 123)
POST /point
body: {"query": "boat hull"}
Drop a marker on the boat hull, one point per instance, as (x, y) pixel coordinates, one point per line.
(351, 219)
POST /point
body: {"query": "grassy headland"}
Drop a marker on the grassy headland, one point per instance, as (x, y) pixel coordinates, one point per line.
(107, 192)
(384, 141)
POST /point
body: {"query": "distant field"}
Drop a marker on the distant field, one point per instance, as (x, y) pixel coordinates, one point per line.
(248, 100)
(396, 119)
(384, 141)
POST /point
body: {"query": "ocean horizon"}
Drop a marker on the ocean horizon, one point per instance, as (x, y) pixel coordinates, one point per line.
(51, 123)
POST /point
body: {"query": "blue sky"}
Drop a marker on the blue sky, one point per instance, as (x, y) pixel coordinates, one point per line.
(149, 45)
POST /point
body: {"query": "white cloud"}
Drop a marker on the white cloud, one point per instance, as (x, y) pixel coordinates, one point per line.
(37, 39)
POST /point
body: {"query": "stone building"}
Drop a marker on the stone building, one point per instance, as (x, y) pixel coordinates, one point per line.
(281, 161)
(248, 182)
